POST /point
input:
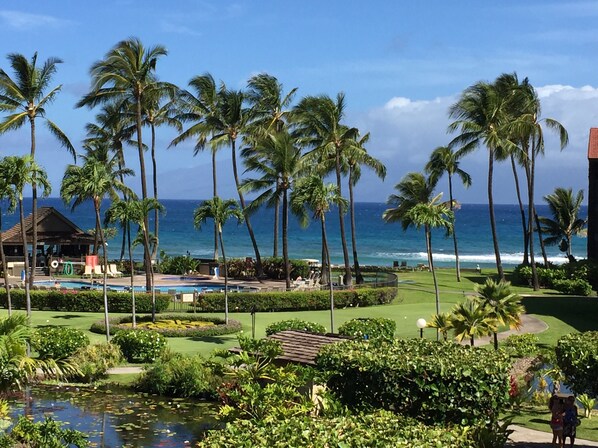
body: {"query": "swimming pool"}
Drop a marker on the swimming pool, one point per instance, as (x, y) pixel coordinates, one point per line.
(182, 288)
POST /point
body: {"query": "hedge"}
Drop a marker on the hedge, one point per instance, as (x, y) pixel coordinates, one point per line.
(295, 324)
(84, 301)
(218, 329)
(295, 300)
(369, 328)
(432, 381)
(577, 357)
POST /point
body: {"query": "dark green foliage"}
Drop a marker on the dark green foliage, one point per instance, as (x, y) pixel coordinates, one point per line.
(577, 287)
(380, 429)
(432, 381)
(178, 375)
(58, 342)
(85, 301)
(369, 328)
(577, 357)
(295, 324)
(574, 278)
(46, 434)
(93, 361)
(178, 265)
(124, 323)
(521, 345)
(295, 300)
(273, 268)
(140, 345)
(585, 269)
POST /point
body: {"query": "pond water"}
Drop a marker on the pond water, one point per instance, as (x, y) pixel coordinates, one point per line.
(117, 418)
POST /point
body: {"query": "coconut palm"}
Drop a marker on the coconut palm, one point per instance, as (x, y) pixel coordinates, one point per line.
(8, 194)
(443, 324)
(565, 222)
(220, 211)
(25, 97)
(312, 194)
(444, 160)
(94, 181)
(279, 160)
(126, 76)
(470, 320)
(319, 123)
(503, 305)
(19, 172)
(415, 206)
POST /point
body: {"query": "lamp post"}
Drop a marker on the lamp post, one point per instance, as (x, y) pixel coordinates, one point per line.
(421, 324)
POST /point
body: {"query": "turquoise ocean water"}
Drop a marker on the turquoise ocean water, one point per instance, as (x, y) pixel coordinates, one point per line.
(378, 243)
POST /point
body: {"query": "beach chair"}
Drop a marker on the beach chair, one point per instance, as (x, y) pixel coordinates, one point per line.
(97, 270)
(172, 292)
(87, 271)
(113, 271)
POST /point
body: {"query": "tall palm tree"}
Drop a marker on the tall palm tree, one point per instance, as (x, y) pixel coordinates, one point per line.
(565, 222)
(269, 112)
(503, 305)
(220, 211)
(25, 97)
(356, 158)
(8, 194)
(444, 160)
(278, 159)
(481, 116)
(415, 206)
(319, 123)
(470, 320)
(126, 76)
(94, 181)
(312, 194)
(19, 172)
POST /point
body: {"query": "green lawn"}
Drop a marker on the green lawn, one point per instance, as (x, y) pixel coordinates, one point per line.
(538, 418)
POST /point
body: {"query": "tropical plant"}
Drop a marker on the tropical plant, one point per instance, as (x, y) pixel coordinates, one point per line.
(577, 357)
(588, 404)
(8, 194)
(444, 160)
(42, 434)
(470, 320)
(369, 328)
(565, 222)
(220, 211)
(25, 98)
(442, 323)
(140, 345)
(58, 342)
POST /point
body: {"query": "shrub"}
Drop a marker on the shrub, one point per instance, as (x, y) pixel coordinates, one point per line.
(178, 265)
(181, 376)
(369, 328)
(520, 345)
(140, 345)
(93, 361)
(295, 324)
(171, 325)
(274, 268)
(577, 357)
(432, 381)
(58, 342)
(48, 433)
(576, 287)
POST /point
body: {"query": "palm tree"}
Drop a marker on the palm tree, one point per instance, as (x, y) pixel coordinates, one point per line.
(503, 305)
(220, 211)
(6, 193)
(278, 158)
(93, 181)
(415, 206)
(565, 222)
(319, 123)
(443, 324)
(19, 172)
(356, 157)
(481, 115)
(126, 76)
(25, 97)
(444, 160)
(470, 320)
(311, 193)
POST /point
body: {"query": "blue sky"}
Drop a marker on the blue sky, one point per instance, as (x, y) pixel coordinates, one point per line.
(400, 64)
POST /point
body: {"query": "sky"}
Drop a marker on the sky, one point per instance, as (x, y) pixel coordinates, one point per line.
(401, 66)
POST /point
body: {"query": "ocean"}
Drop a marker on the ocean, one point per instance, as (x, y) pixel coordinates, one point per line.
(378, 243)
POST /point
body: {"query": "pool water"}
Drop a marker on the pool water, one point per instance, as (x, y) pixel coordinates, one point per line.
(199, 287)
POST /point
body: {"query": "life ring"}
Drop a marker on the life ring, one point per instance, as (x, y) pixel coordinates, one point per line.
(54, 264)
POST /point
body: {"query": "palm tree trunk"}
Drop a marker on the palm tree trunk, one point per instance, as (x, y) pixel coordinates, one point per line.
(225, 278)
(214, 194)
(495, 336)
(31, 276)
(542, 245)
(146, 255)
(471, 341)
(285, 239)
(499, 268)
(530, 202)
(25, 257)
(105, 265)
(133, 308)
(358, 276)
(330, 286)
(3, 259)
(151, 288)
(431, 263)
(452, 207)
(258, 260)
(155, 182)
(276, 225)
(348, 279)
(522, 212)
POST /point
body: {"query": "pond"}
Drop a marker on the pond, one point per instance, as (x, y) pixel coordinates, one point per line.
(115, 418)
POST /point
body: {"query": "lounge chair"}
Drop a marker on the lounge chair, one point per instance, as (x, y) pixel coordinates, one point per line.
(97, 270)
(88, 271)
(113, 271)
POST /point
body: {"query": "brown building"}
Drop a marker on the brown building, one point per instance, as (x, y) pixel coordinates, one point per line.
(593, 195)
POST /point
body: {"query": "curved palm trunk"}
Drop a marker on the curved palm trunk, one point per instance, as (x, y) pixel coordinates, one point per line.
(285, 239)
(214, 194)
(358, 276)
(146, 253)
(540, 237)
(132, 263)
(276, 226)
(105, 266)
(522, 212)
(431, 263)
(329, 270)
(155, 182)
(348, 279)
(25, 257)
(31, 276)
(5, 271)
(457, 265)
(225, 278)
(531, 211)
(499, 268)
(258, 259)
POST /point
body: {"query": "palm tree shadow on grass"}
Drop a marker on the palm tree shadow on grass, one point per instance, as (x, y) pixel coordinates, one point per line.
(573, 311)
(211, 339)
(479, 279)
(67, 316)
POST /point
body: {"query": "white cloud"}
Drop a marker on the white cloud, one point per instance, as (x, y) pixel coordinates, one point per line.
(25, 21)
